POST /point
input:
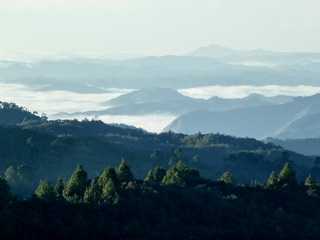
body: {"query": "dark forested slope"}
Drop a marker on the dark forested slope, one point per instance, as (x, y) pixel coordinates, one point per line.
(49, 149)
(12, 114)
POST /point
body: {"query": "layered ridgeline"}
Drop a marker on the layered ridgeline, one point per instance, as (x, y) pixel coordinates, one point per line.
(258, 57)
(306, 146)
(169, 101)
(295, 119)
(49, 149)
(202, 68)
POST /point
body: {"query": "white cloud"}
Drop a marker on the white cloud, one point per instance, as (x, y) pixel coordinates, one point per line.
(51, 102)
(245, 90)
(151, 123)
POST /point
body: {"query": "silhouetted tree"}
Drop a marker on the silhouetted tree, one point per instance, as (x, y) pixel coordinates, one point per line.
(124, 172)
(45, 191)
(109, 193)
(59, 187)
(93, 193)
(310, 182)
(155, 175)
(287, 176)
(272, 180)
(227, 178)
(76, 186)
(11, 176)
(181, 175)
(106, 175)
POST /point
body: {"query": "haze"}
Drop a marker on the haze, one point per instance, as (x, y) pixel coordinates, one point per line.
(143, 27)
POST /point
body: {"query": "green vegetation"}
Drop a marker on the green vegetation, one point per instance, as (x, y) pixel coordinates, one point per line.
(52, 149)
(202, 186)
(76, 186)
(227, 178)
(155, 175)
(180, 205)
(45, 191)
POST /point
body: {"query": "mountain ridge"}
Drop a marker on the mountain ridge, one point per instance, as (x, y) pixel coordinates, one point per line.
(258, 122)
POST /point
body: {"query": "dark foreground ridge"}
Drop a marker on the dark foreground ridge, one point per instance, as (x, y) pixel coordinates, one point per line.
(176, 203)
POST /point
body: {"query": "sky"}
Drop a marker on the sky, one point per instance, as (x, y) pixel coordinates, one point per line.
(155, 27)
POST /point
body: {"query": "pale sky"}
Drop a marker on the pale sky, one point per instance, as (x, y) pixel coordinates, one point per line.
(155, 27)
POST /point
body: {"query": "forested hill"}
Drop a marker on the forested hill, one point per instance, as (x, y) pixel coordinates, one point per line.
(50, 150)
(12, 114)
(165, 186)
(34, 150)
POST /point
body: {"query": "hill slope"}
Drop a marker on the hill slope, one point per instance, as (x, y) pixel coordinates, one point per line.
(258, 122)
(11, 114)
(307, 146)
(169, 101)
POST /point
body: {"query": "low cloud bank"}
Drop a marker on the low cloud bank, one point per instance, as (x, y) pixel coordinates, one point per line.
(245, 90)
(53, 102)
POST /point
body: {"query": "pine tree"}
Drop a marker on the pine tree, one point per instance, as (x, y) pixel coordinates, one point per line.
(272, 180)
(155, 175)
(172, 177)
(287, 176)
(181, 175)
(310, 182)
(45, 191)
(60, 185)
(106, 175)
(76, 186)
(227, 178)
(11, 176)
(124, 172)
(93, 193)
(109, 193)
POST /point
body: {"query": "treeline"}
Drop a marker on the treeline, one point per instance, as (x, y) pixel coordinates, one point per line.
(53, 149)
(173, 203)
(12, 114)
(107, 187)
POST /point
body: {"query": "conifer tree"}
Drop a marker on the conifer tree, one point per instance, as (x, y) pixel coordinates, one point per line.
(310, 182)
(60, 185)
(272, 180)
(124, 172)
(181, 175)
(76, 186)
(45, 191)
(11, 176)
(93, 193)
(106, 175)
(155, 175)
(287, 176)
(109, 193)
(227, 178)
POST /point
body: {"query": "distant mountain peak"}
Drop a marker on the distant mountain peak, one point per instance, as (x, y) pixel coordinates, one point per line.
(213, 50)
(147, 95)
